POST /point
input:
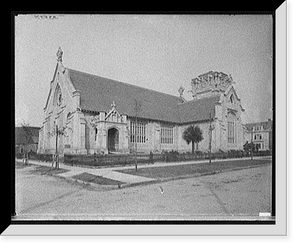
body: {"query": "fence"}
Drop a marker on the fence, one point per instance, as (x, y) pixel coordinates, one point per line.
(40, 157)
(129, 159)
(100, 160)
(105, 160)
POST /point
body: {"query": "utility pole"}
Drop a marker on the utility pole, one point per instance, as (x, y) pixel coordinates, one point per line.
(211, 128)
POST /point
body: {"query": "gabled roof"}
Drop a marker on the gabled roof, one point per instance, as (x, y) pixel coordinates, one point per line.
(198, 109)
(49, 93)
(98, 93)
(267, 125)
(27, 135)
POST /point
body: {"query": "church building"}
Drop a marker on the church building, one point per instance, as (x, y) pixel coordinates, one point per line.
(90, 114)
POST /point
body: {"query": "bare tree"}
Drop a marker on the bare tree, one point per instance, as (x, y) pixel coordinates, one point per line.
(57, 132)
(27, 134)
(137, 108)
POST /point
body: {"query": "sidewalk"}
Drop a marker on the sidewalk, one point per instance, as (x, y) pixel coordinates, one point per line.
(111, 178)
(105, 177)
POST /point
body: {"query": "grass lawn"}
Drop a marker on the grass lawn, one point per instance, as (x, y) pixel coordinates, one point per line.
(96, 179)
(194, 169)
(48, 170)
(20, 165)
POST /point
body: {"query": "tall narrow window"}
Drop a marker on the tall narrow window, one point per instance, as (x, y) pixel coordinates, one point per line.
(57, 98)
(96, 132)
(230, 132)
(167, 134)
(138, 132)
(232, 99)
(258, 128)
(257, 137)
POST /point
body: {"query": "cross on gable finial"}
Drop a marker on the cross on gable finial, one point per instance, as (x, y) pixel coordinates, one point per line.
(181, 90)
(113, 105)
(59, 54)
(113, 114)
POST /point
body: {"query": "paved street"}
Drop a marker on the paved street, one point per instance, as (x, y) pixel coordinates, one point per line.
(232, 194)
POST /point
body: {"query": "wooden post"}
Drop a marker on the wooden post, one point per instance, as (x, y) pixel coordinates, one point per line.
(137, 108)
(135, 142)
(211, 128)
(56, 149)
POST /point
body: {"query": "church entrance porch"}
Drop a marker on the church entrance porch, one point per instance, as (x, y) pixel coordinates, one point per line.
(112, 140)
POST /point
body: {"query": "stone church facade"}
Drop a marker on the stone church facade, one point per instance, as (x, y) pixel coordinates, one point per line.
(89, 114)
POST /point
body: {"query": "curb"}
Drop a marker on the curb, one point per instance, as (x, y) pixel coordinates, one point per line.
(88, 184)
(127, 185)
(144, 183)
(107, 187)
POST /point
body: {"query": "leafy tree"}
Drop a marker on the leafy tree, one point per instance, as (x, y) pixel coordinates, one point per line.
(248, 147)
(192, 134)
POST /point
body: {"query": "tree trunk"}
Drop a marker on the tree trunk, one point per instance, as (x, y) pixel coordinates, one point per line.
(25, 157)
(56, 150)
(193, 147)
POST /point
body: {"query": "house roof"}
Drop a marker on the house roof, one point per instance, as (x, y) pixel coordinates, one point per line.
(27, 135)
(267, 125)
(98, 93)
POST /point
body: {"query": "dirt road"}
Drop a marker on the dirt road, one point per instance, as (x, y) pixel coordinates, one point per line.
(232, 194)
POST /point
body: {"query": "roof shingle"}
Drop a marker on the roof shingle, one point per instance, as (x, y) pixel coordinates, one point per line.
(198, 110)
(98, 93)
(267, 125)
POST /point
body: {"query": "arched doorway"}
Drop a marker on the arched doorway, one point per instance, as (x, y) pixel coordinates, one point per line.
(112, 140)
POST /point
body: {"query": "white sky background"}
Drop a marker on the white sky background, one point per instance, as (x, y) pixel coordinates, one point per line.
(160, 52)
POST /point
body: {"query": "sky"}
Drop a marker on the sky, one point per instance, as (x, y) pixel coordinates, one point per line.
(159, 52)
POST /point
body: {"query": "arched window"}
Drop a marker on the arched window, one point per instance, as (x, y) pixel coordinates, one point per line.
(231, 131)
(57, 99)
(232, 99)
(96, 132)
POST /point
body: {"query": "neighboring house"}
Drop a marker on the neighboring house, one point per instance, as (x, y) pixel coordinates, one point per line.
(260, 134)
(26, 139)
(100, 115)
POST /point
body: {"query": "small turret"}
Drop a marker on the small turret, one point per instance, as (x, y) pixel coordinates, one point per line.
(211, 83)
